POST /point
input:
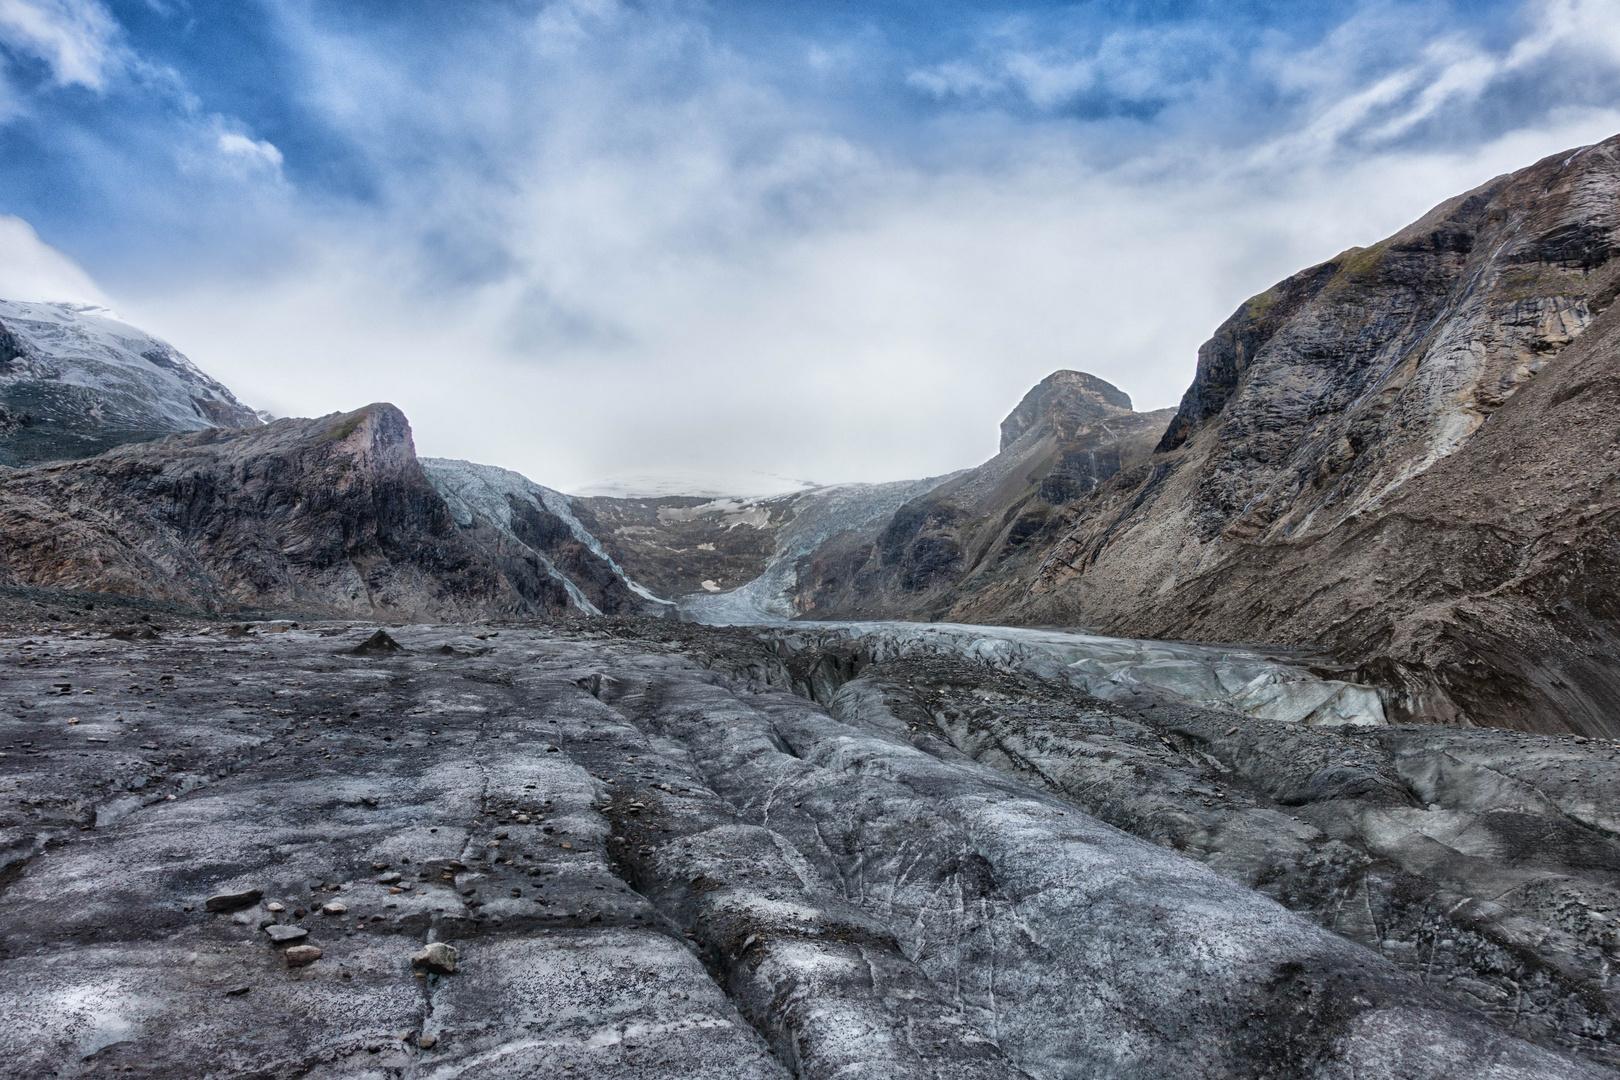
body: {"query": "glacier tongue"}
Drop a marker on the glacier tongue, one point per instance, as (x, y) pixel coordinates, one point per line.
(818, 515)
(1118, 669)
(1211, 676)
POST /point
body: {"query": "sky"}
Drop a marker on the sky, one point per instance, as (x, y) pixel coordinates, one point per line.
(825, 240)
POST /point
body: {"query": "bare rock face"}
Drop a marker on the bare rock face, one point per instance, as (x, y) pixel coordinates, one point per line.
(1064, 399)
(1405, 455)
(537, 538)
(75, 381)
(325, 515)
(676, 543)
(1071, 433)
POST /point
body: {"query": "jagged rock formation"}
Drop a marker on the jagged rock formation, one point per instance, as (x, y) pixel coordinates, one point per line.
(75, 381)
(332, 515)
(326, 515)
(652, 859)
(1403, 455)
(1072, 432)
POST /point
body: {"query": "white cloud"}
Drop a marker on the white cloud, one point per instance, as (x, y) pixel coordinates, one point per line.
(603, 243)
(237, 147)
(31, 269)
(79, 39)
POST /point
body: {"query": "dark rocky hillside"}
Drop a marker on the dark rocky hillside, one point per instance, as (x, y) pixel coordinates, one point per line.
(536, 538)
(1405, 456)
(1070, 434)
(673, 544)
(327, 515)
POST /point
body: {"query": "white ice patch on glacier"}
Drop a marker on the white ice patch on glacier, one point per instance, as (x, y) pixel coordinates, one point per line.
(1210, 676)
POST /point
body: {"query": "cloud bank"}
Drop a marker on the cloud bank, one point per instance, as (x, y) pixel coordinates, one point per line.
(588, 238)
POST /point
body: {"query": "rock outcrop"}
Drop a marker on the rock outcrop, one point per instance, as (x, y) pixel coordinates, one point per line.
(327, 515)
(76, 380)
(534, 535)
(1070, 434)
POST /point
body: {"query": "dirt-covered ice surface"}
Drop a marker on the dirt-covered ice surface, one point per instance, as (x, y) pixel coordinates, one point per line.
(649, 856)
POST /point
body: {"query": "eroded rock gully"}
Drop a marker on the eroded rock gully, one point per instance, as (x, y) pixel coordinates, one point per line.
(653, 858)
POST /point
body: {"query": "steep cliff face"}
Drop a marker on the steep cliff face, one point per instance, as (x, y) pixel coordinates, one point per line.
(1398, 456)
(1070, 434)
(327, 515)
(76, 380)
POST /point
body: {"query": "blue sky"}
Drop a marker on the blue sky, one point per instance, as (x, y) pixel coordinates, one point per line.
(830, 240)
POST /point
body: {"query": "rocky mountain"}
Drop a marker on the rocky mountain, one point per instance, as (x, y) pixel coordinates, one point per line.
(76, 380)
(1405, 456)
(1069, 434)
(533, 535)
(327, 515)
(334, 515)
(900, 550)
(736, 559)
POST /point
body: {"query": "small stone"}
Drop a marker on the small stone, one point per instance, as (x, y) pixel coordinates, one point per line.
(300, 955)
(233, 901)
(237, 991)
(275, 906)
(334, 908)
(387, 879)
(523, 819)
(281, 933)
(566, 846)
(73, 719)
(378, 644)
(437, 957)
(428, 1042)
(379, 866)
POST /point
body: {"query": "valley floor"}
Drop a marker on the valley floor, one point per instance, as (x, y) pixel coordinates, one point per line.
(668, 850)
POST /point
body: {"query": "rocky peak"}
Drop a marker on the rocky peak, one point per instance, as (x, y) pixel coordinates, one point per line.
(1064, 400)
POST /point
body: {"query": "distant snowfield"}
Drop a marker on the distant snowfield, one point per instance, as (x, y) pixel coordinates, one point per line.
(713, 485)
